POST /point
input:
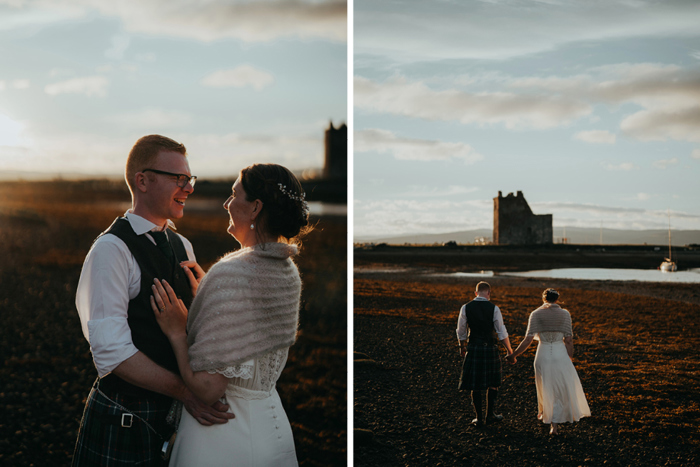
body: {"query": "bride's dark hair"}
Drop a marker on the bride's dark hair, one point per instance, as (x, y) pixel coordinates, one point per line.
(285, 212)
(550, 296)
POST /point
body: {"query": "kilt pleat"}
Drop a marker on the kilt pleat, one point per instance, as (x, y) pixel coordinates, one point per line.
(102, 441)
(481, 368)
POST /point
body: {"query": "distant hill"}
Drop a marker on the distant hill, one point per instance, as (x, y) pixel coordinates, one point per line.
(575, 235)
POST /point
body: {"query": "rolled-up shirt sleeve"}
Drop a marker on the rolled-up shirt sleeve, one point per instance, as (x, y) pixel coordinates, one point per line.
(498, 324)
(462, 328)
(106, 285)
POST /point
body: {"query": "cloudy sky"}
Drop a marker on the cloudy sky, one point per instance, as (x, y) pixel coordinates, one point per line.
(592, 109)
(237, 81)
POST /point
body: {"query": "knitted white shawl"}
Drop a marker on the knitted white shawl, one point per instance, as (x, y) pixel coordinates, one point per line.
(550, 317)
(246, 305)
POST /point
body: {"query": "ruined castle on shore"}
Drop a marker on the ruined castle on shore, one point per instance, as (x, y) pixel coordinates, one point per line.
(515, 224)
(336, 144)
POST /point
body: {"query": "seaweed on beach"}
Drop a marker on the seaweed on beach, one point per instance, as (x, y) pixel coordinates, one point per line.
(46, 229)
(635, 352)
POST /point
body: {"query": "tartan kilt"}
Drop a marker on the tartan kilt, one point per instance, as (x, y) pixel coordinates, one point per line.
(481, 368)
(102, 441)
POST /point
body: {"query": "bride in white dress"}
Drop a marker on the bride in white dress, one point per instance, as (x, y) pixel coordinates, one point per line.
(260, 435)
(233, 344)
(560, 396)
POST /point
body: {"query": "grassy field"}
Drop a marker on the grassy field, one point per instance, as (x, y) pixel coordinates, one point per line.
(46, 230)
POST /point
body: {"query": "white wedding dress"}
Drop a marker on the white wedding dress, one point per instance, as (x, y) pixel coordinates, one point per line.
(560, 396)
(259, 436)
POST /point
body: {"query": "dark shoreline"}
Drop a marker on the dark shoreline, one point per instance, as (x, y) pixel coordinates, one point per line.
(420, 263)
(518, 258)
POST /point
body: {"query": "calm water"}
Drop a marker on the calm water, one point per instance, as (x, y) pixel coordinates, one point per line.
(601, 274)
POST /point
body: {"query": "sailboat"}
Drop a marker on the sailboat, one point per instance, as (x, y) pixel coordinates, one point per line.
(668, 265)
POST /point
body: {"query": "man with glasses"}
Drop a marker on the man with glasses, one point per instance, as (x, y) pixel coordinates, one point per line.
(127, 414)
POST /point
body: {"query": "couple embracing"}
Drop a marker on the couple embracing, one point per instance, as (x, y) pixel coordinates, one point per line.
(166, 336)
(560, 397)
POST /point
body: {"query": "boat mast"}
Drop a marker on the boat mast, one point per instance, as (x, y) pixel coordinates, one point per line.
(669, 235)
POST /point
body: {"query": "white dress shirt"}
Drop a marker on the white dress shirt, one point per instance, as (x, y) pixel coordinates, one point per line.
(463, 328)
(110, 278)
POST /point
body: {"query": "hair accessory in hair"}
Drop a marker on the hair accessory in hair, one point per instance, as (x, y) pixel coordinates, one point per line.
(298, 198)
(283, 189)
(552, 291)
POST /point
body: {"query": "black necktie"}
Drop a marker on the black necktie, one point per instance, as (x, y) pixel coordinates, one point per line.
(162, 241)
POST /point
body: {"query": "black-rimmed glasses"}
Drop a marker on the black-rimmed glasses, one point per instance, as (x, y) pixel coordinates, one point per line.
(182, 179)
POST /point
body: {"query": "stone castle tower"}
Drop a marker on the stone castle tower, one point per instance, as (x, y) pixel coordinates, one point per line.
(336, 164)
(515, 224)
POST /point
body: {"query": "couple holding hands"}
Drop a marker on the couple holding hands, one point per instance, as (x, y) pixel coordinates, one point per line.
(560, 397)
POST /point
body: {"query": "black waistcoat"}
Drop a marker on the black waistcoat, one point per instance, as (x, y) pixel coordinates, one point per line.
(145, 332)
(480, 320)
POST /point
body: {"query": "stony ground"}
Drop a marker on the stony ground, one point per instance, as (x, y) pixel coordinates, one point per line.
(46, 368)
(635, 352)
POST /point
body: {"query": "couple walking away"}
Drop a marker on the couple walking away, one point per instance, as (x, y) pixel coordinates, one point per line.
(221, 360)
(560, 397)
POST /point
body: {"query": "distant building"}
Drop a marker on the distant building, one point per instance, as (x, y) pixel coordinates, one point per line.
(515, 224)
(336, 164)
(330, 185)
